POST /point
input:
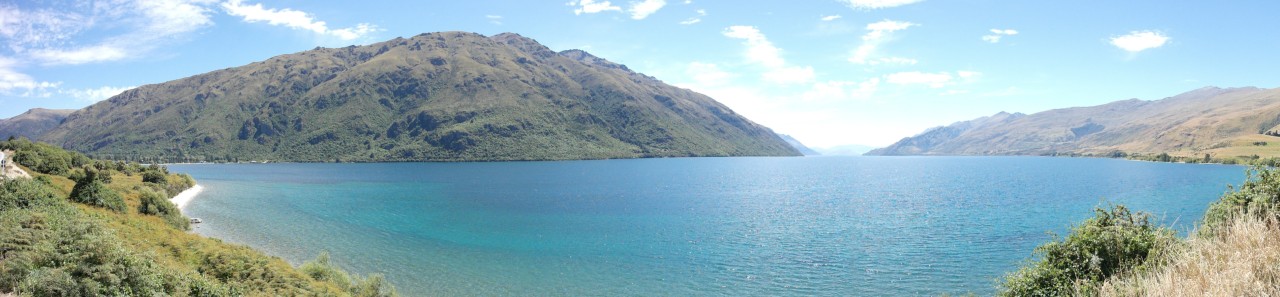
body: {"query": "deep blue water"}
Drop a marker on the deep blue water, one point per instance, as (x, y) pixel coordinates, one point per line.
(836, 226)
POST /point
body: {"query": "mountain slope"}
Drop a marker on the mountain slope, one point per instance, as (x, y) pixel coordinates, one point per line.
(448, 96)
(1203, 121)
(33, 123)
(805, 150)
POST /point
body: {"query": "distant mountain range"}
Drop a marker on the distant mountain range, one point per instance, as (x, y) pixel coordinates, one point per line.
(449, 96)
(805, 150)
(845, 150)
(1215, 121)
(33, 123)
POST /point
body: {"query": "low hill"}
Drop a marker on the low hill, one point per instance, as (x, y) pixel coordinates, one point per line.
(1222, 122)
(33, 123)
(449, 96)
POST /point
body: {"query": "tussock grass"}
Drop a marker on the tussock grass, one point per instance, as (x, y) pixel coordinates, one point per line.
(1235, 252)
(1241, 259)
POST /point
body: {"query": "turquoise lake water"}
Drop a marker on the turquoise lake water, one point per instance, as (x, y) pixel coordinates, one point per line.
(834, 226)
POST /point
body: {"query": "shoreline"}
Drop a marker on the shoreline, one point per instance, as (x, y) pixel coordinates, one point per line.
(186, 196)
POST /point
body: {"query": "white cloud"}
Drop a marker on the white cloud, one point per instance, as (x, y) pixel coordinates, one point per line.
(1138, 41)
(91, 54)
(95, 95)
(494, 19)
(997, 34)
(641, 10)
(762, 52)
(695, 20)
(13, 82)
(830, 18)
(877, 4)
(293, 19)
(877, 34)
(591, 6)
(759, 49)
(132, 27)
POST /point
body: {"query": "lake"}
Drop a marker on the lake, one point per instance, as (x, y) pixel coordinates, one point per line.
(834, 226)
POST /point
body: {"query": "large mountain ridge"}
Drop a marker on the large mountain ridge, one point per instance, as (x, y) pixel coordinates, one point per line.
(1225, 122)
(447, 96)
(32, 123)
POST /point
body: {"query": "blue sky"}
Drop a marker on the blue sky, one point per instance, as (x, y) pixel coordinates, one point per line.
(829, 72)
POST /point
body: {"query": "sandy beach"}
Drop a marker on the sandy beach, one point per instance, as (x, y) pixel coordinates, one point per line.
(186, 196)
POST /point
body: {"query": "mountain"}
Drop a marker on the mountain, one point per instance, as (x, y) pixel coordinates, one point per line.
(845, 150)
(798, 146)
(1217, 121)
(33, 123)
(926, 141)
(449, 96)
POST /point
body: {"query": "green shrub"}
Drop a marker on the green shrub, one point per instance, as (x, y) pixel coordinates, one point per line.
(151, 202)
(91, 190)
(1258, 196)
(1114, 241)
(154, 176)
(321, 269)
(27, 193)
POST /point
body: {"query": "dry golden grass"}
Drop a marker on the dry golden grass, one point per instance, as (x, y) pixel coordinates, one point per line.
(1241, 260)
(1240, 146)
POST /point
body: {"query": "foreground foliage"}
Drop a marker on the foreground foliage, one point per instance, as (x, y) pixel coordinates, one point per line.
(1114, 241)
(1235, 252)
(124, 238)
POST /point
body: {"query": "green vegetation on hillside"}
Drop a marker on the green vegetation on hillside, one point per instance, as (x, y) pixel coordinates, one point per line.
(448, 96)
(1235, 252)
(124, 238)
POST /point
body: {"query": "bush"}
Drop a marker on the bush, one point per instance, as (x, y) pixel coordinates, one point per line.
(154, 176)
(1114, 241)
(91, 190)
(321, 269)
(151, 202)
(27, 193)
(1259, 196)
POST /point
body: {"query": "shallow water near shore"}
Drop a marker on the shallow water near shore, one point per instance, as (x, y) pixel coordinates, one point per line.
(835, 226)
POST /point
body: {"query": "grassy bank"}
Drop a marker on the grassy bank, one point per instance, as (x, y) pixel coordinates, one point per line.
(84, 227)
(1234, 252)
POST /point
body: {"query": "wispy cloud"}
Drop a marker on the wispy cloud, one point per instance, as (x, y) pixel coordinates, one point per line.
(591, 6)
(1138, 41)
(13, 82)
(494, 19)
(997, 34)
(877, 34)
(930, 79)
(830, 18)
(762, 52)
(694, 20)
(641, 10)
(95, 95)
(877, 4)
(293, 19)
(131, 28)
